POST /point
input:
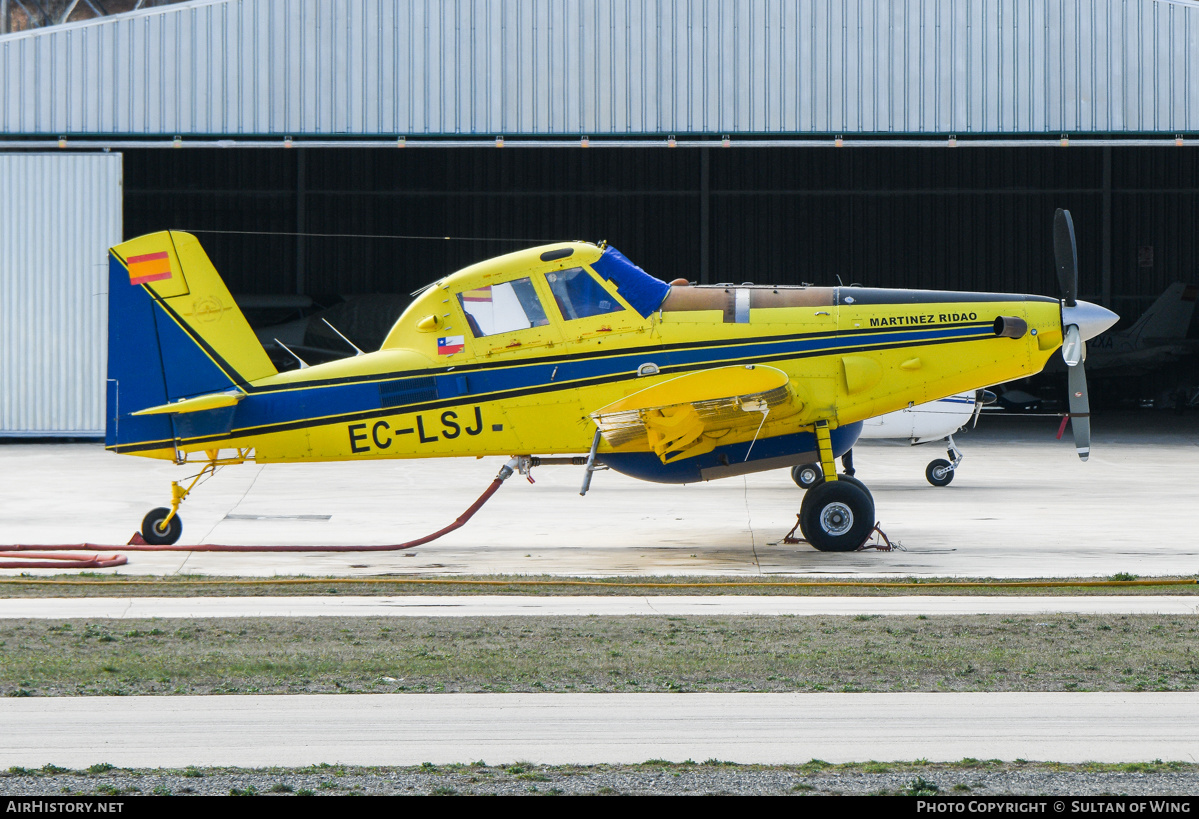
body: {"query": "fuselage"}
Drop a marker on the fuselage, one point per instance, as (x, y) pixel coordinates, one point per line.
(924, 422)
(565, 336)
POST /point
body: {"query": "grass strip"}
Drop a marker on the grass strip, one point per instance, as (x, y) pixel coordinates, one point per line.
(97, 585)
(600, 654)
(988, 778)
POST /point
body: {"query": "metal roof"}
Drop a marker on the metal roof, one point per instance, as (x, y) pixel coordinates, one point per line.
(371, 68)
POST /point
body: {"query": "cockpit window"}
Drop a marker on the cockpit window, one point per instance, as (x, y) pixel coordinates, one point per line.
(502, 308)
(579, 295)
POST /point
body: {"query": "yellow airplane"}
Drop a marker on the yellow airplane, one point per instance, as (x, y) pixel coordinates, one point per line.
(571, 348)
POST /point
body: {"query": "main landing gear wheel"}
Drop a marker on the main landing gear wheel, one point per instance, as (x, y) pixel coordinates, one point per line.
(851, 479)
(857, 483)
(807, 475)
(939, 472)
(837, 516)
(157, 534)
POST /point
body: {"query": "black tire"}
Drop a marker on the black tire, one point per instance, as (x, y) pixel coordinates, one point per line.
(807, 475)
(939, 472)
(837, 516)
(153, 531)
(855, 482)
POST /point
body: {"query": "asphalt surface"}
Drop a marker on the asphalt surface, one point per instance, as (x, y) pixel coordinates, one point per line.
(409, 729)
(1021, 505)
(519, 605)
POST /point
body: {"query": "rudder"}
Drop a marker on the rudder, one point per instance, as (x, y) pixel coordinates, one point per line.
(174, 331)
(1169, 317)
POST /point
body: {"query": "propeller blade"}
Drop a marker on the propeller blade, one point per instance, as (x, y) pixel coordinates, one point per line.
(1065, 251)
(981, 398)
(1080, 411)
(1072, 346)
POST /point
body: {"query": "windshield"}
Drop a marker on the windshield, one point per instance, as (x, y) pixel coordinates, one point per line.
(579, 295)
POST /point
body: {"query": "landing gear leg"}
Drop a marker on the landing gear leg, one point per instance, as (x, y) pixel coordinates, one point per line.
(824, 442)
(162, 526)
(837, 515)
(940, 472)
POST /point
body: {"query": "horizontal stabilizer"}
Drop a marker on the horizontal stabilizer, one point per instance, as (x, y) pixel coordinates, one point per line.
(200, 403)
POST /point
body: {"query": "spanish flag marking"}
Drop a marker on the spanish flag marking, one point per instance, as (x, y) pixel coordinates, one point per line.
(481, 294)
(151, 267)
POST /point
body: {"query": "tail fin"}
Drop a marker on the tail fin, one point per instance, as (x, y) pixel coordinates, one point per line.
(1168, 317)
(173, 332)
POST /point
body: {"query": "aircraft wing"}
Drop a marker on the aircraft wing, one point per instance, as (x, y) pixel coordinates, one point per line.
(688, 415)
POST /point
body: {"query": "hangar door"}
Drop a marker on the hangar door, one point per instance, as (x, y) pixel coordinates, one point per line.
(59, 214)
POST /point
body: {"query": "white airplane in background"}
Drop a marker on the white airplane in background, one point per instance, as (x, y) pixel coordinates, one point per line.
(920, 424)
(1157, 337)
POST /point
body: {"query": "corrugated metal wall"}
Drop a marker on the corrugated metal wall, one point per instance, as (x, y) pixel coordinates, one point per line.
(371, 67)
(59, 215)
(930, 218)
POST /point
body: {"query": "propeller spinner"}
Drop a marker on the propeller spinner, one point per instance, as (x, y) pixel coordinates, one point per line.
(1080, 321)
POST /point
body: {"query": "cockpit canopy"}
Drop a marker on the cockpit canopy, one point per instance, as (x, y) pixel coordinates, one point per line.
(520, 291)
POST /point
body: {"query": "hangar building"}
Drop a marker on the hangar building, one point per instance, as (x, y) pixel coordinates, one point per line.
(324, 150)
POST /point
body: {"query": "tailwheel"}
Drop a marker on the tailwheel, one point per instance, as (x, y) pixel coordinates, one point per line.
(807, 475)
(161, 528)
(837, 516)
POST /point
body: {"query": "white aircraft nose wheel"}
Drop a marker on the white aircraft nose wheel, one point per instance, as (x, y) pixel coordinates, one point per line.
(939, 472)
(837, 516)
(156, 533)
(807, 475)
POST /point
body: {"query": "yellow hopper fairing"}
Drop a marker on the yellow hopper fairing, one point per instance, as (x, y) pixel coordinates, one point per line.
(685, 416)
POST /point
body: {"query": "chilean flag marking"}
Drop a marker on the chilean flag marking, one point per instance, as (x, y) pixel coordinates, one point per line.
(450, 345)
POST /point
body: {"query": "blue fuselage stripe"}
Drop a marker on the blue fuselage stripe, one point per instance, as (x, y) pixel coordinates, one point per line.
(272, 409)
(269, 408)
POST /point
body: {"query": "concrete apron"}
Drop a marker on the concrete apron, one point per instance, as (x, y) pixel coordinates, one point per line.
(1021, 505)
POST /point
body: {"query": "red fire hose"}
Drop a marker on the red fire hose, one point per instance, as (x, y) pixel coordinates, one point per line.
(18, 556)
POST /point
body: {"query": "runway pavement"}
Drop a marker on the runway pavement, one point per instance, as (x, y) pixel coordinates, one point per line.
(408, 729)
(1022, 505)
(529, 606)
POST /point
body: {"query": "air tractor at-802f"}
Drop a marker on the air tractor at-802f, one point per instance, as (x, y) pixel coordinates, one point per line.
(571, 348)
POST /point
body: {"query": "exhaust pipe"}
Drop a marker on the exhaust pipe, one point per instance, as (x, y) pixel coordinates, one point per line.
(1010, 327)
